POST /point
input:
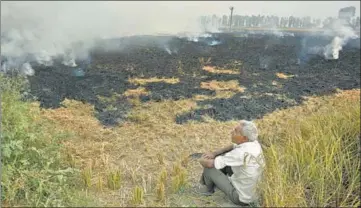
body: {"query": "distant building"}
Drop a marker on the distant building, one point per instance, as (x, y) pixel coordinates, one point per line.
(346, 14)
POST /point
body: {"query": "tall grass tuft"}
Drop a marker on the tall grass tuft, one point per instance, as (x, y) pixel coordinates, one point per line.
(161, 192)
(114, 179)
(313, 158)
(179, 179)
(87, 175)
(138, 195)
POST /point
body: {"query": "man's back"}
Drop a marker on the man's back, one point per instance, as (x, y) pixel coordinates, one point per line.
(247, 169)
(244, 157)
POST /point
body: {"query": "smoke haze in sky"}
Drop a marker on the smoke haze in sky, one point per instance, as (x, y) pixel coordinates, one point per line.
(46, 29)
(122, 18)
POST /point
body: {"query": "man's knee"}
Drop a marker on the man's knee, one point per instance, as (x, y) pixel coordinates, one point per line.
(211, 172)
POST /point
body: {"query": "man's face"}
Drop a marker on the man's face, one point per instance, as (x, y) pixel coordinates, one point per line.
(236, 135)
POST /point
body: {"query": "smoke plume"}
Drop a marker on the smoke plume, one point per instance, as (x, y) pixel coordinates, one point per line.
(40, 32)
(343, 34)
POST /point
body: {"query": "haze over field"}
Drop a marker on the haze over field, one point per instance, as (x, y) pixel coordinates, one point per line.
(113, 18)
(41, 30)
(105, 104)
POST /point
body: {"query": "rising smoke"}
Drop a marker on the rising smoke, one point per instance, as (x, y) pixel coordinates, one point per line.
(343, 34)
(338, 34)
(41, 32)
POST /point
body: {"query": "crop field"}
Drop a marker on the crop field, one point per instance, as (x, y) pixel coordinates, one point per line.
(241, 77)
(130, 118)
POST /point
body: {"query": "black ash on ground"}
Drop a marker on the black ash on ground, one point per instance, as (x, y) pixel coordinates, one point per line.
(259, 58)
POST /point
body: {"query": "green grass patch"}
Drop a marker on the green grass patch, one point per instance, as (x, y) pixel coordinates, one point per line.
(311, 152)
(33, 171)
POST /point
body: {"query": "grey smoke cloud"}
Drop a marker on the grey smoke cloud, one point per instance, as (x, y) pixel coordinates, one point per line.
(48, 29)
(44, 29)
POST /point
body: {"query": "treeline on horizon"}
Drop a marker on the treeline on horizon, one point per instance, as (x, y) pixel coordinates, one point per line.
(272, 21)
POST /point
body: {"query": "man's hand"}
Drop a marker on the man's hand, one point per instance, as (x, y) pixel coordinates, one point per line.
(209, 155)
(207, 163)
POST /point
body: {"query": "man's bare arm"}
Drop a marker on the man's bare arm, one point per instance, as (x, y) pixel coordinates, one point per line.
(206, 163)
(223, 150)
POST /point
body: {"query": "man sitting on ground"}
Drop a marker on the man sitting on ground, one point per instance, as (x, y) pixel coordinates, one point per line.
(243, 163)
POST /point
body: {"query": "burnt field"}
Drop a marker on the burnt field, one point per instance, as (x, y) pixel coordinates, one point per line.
(266, 68)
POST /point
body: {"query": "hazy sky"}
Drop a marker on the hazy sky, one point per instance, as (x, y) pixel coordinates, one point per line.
(281, 8)
(51, 26)
(141, 16)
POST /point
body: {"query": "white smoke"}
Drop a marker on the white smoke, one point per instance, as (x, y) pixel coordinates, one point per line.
(194, 37)
(43, 57)
(13, 65)
(279, 33)
(214, 42)
(42, 31)
(27, 69)
(207, 38)
(69, 60)
(170, 51)
(343, 34)
(340, 33)
(331, 51)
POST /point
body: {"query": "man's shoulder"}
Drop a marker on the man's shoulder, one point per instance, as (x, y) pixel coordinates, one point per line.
(253, 148)
(246, 145)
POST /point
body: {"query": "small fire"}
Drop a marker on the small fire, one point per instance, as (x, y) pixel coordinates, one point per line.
(332, 50)
(44, 58)
(169, 51)
(69, 62)
(27, 69)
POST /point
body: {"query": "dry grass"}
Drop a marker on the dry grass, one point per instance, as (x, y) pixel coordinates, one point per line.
(215, 70)
(232, 85)
(284, 76)
(152, 146)
(141, 81)
(309, 161)
(219, 94)
(161, 192)
(141, 148)
(276, 84)
(136, 92)
(204, 61)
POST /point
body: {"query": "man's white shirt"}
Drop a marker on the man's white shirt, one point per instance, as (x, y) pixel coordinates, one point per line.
(247, 164)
